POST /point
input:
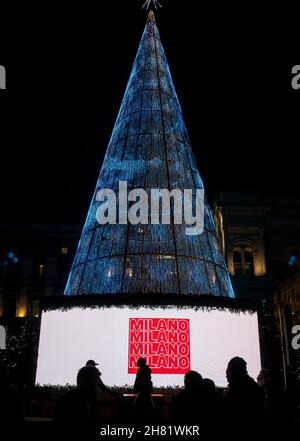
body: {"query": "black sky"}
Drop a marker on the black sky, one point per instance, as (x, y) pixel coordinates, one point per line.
(67, 69)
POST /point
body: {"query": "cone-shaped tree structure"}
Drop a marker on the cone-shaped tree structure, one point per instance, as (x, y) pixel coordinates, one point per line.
(149, 148)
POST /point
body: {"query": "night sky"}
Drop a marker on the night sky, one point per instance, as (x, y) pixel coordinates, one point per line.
(67, 70)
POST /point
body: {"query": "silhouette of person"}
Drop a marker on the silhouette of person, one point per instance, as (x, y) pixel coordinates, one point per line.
(243, 398)
(77, 412)
(186, 407)
(143, 382)
(144, 407)
(209, 394)
(101, 387)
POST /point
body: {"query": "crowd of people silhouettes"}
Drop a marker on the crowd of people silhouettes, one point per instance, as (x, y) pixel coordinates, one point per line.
(244, 404)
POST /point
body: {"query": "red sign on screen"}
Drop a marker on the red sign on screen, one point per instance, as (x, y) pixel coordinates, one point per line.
(164, 342)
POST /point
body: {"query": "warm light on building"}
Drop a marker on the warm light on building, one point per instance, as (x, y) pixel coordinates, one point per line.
(64, 250)
(22, 306)
(246, 259)
(219, 222)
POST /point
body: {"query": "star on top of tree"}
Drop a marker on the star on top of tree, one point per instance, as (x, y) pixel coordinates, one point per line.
(148, 3)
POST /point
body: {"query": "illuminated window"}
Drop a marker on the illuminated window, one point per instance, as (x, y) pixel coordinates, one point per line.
(243, 261)
(64, 250)
(41, 270)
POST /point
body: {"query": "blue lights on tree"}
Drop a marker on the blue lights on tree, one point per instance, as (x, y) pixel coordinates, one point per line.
(149, 148)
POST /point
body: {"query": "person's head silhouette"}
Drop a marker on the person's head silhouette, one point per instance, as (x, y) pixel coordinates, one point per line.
(209, 386)
(91, 363)
(142, 362)
(193, 380)
(236, 369)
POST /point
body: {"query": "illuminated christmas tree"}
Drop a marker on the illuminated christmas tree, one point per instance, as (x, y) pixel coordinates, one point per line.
(149, 148)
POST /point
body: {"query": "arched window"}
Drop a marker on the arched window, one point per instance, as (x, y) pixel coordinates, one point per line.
(243, 259)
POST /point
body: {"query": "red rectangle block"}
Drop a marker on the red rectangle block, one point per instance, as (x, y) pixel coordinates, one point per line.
(164, 342)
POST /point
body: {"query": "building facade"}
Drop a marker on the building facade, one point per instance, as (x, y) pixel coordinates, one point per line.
(260, 236)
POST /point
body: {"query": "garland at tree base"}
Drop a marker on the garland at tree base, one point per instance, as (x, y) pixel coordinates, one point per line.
(151, 301)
